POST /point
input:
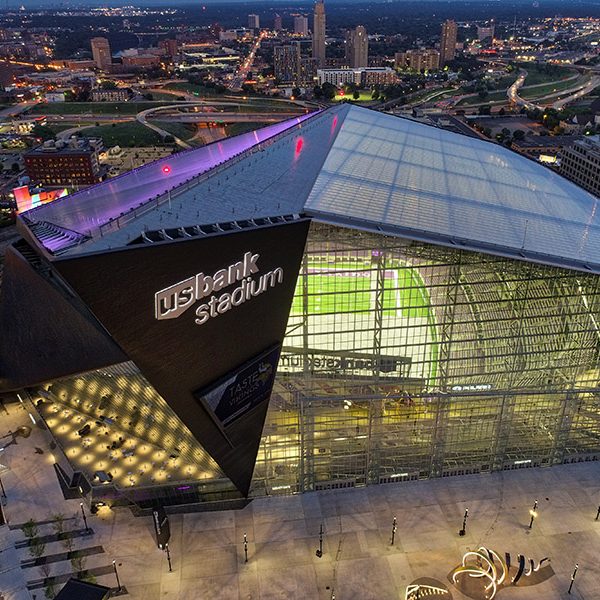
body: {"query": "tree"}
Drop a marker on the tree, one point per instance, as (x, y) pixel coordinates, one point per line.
(15, 168)
(375, 94)
(50, 591)
(37, 547)
(518, 134)
(43, 132)
(296, 92)
(29, 529)
(169, 139)
(356, 94)
(502, 111)
(58, 524)
(78, 562)
(318, 92)
(483, 94)
(329, 90)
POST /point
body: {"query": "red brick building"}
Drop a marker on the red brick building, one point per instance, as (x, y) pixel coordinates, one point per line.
(60, 164)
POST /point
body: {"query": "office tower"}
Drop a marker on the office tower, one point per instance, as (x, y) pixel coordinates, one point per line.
(318, 33)
(277, 23)
(286, 61)
(101, 52)
(301, 25)
(253, 22)
(357, 47)
(448, 42)
(486, 32)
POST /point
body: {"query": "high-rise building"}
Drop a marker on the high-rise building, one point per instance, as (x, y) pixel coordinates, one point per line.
(253, 22)
(277, 26)
(580, 163)
(301, 25)
(101, 52)
(286, 61)
(357, 47)
(486, 32)
(170, 46)
(318, 33)
(427, 59)
(448, 42)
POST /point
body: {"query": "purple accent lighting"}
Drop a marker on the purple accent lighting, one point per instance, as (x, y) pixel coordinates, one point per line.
(85, 211)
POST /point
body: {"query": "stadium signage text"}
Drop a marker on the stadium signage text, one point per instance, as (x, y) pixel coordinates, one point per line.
(173, 301)
(315, 361)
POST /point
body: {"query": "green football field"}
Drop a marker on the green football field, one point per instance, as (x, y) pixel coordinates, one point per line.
(335, 288)
(349, 287)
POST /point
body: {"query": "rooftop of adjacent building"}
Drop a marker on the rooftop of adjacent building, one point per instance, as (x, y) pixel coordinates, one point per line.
(72, 146)
(346, 166)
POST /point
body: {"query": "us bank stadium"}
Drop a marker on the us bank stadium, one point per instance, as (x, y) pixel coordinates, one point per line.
(343, 299)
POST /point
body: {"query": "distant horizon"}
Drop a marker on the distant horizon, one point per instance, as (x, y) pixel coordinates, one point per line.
(62, 4)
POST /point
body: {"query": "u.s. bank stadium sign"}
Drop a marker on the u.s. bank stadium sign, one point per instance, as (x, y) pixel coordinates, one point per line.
(173, 301)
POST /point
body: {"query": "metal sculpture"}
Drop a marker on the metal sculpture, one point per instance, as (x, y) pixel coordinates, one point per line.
(487, 564)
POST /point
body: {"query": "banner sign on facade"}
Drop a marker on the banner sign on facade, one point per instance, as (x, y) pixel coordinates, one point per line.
(237, 393)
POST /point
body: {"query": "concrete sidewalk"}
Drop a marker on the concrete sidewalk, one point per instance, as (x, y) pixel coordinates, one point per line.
(358, 562)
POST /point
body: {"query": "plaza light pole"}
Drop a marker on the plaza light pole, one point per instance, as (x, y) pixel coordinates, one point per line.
(393, 530)
(87, 529)
(319, 552)
(464, 525)
(533, 513)
(246, 547)
(573, 578)
(168, 557)
(116, 575)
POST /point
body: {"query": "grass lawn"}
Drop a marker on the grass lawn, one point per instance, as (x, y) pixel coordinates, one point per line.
(192, 88)
(365, 96)
(160, 96)
(183, 131)
(536, 74)
(232, 129)
(496, 96)
(556, 86)
(77, 108)
(124, 134)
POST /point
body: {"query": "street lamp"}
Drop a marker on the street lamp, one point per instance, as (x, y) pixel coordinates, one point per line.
(245, 548)
(393, 530)
(87, 529)
(116, 575)
(168, 557)
(573, 578)
(464, 525)
(319, 552)
(533, 513)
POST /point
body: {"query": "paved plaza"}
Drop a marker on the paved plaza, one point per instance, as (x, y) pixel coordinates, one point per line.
(358, 560)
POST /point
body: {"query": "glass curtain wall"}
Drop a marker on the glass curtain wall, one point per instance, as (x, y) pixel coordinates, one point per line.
(404, 360)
